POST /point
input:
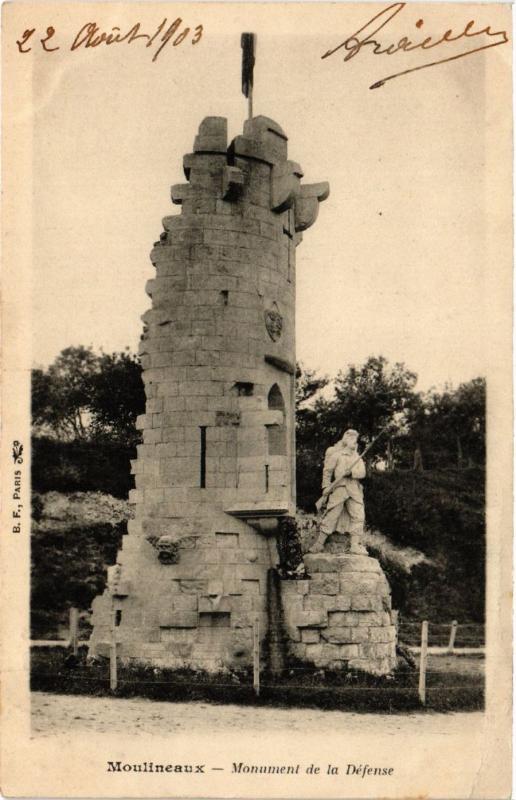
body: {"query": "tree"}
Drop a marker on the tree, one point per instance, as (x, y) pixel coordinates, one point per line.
(83, 396)
(367, 397)
(307, 385)
(450, 425)
(117, 397)
(61, 395)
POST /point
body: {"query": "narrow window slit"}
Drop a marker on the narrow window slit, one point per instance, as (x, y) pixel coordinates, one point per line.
(203, 457)
(118, 617)
(266, 477)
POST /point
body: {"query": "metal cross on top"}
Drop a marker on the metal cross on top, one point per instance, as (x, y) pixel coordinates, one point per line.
(248, 45)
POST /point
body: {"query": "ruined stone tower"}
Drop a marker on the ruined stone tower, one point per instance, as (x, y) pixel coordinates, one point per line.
(217, 465)
(216, 470)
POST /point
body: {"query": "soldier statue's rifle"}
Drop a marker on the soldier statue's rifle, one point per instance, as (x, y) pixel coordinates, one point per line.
(321, 503)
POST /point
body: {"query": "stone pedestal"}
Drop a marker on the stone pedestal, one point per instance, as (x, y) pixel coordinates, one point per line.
(341, 616)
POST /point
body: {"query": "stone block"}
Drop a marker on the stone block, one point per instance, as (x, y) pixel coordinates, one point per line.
(245, 602)
(310, 635)
(215, 588)
(383, 634)
(327, 562)
(181, 649)
(209, 555)
(178, 619)
(259, 602)
(314, 652)
(250, 572)
(218, 604)
(319, 602)
(290, 587)
(292, 605)
(192, 586)
(293, 633)
(310, 618)
(359, 635)
(242, 619)
(183, 602)
(340, 602)
(324, 584)
(336, 635)
(353, 618)
(337, 618)
(320, 563)
(377, 649)
(347, 651)
(362, 602)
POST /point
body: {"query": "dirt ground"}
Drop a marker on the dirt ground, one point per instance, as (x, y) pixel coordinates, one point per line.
(56, 714)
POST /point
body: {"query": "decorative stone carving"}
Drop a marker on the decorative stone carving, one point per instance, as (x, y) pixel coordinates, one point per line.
(280, 363)
(167, 547)
(307, 204)
(273, 323)
(187, 543)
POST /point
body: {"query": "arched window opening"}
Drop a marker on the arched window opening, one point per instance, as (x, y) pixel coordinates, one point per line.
(277, 433)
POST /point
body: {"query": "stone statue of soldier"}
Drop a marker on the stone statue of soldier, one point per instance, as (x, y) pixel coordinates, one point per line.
(342, 502)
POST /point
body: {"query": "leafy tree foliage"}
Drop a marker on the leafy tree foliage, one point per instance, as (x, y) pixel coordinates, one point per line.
(60, 394)
(432, 430)
(84, 396)
(449, 427)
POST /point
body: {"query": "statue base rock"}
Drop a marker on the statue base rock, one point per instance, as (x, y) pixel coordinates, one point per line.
(341, 616)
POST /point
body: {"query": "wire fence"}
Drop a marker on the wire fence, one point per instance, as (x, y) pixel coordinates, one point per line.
(452, 636)
(418, 641)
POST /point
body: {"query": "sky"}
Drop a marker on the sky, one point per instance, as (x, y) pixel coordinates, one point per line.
(397, 262)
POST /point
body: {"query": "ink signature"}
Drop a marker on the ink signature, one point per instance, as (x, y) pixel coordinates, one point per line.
(354, 44)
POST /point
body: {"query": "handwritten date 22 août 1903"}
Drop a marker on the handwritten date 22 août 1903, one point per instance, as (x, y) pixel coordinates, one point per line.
(90, 35)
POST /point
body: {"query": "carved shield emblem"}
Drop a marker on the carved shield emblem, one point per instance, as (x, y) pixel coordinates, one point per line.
(273, 323)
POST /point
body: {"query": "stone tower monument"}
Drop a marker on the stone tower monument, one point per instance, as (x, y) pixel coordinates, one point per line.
(216, 470)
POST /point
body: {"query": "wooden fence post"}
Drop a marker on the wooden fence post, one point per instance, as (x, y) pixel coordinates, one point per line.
(422, 662)
(453, 634)
(74, 629)
(113, 679)
(256, 656)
